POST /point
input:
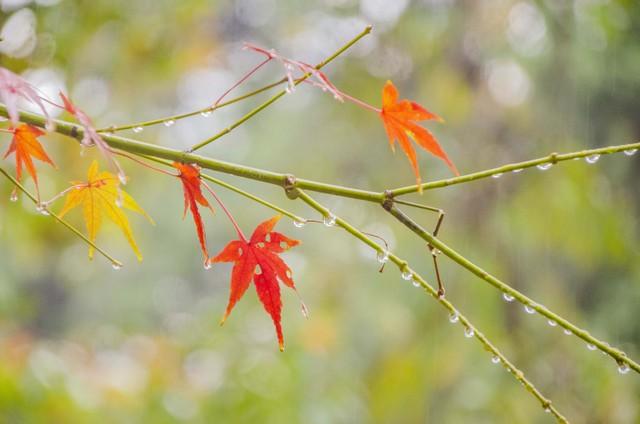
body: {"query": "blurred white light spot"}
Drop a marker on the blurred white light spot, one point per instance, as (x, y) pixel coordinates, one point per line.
(9, 5)
(201, 87)
(47, 2)
(204, 370)
(383, 11)
(255, 13)
(390, 62)
(121, 372)
(526, 30)
(19, 34)
(179, 406)
(49, 83)
(509, 84)
(92, 95)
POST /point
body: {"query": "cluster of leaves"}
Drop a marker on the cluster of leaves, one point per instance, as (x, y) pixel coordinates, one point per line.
(255, 259)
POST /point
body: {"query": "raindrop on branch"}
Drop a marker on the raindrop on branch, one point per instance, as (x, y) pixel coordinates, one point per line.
(116, 265)
(169, 122)
(544, 166)
(498, 175)
(592, 159)
(329, 220)
(630, 152)
(299, 224)
(138, 130)
(507, 297)
(454, 317)
(469, 332)
(528, 309)
(623, 368)
(382, 256)
(495, 359)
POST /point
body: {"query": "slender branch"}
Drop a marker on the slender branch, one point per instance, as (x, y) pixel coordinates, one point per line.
(549, 160)
(619, 356)
(273, 99)
(116, 263)
(237, 190)
(470, 329)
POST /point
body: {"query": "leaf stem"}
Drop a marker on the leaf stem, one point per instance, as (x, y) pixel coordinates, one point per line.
(74, 230)
(277, 96)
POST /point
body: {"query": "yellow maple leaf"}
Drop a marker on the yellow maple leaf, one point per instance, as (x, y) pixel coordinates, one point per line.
(101, 196)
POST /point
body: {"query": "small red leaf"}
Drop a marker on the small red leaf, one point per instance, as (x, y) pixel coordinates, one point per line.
(26, 146)
(258, 259)
(191, 184)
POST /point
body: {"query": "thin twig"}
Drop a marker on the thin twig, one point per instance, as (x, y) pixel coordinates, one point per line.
(469, 327)
(116, 263)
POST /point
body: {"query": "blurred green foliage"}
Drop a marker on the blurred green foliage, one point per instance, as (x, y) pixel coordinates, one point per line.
(80, 342)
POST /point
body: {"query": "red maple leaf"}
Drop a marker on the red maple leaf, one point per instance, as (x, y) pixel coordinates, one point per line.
(399, 118)
(26, 146)
(191, 183)
(258, 259)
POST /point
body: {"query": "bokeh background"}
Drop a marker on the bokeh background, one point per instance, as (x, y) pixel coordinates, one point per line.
(80, 342)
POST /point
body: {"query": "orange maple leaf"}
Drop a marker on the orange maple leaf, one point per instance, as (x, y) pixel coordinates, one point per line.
(26, 146)
(399, 119)
(191, 183)
(258, 259)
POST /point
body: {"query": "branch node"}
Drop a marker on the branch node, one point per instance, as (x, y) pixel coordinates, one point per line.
(74, 132)
(387, 202)
(290, 187)
(553, 158)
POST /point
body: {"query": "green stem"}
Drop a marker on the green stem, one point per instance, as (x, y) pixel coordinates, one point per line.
(273, 99)
(552, 159)
(73, 229)
(404, 267)
(619, 356)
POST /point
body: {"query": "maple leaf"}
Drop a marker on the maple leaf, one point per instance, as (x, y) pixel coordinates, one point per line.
(90, 136)
(13, 88)
(191, 184)
(101, 196)
(257, 259)
(399, 119)
(26, 146)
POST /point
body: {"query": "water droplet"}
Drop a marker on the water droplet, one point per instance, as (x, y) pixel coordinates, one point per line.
(258, 270)
(454, 317)
(299, 224)
(623, 368)
(329, 220)
(592, 159)
(382, 256)
(567, 331)
(207, 264)
(630, 152)
(406, 275)
(591, 346)
(14, 196)
(495, 359)
(116, 265)
(547, 409)
(498, 175)
(528, 309)
(415, 283)
(138, 130)
(517, 171)
(544, 166)
(552, 323)
(507, 297)
(42, 209)
(169, 122)
(205, 113)
(469, 332)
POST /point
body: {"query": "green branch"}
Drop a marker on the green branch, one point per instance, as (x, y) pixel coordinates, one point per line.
(273, 99)
(116, 263)
(549, 161)
(619, 356)
(470, 329)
